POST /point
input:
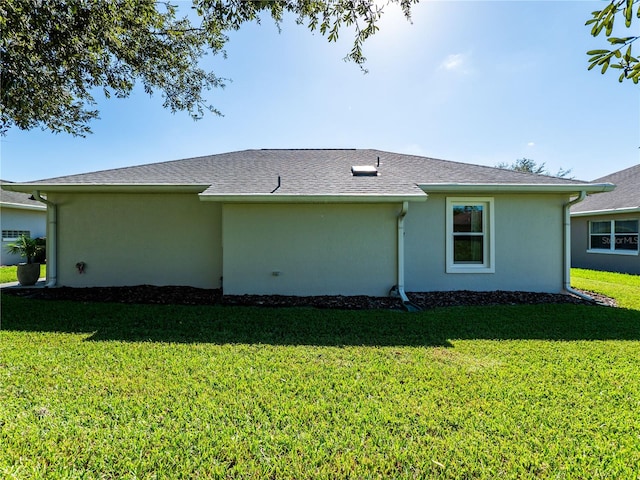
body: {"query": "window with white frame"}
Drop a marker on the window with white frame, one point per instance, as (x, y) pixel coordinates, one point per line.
(614, 236)
(13, 235)
(470, 237)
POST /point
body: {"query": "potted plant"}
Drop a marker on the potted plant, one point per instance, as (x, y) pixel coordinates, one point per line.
(29, 248)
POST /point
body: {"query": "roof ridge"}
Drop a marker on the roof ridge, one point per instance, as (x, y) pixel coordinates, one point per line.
(619, 172)
(304, 149)
(466, 164)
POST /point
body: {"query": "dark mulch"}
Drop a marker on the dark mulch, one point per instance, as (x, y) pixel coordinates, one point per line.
(176, 295)
(465, 297)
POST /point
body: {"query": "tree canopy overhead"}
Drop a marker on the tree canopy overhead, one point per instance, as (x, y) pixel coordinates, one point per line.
(54, 54)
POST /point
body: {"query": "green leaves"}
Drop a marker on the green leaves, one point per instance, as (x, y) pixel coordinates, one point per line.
(627, 62)
(628, 13)
(604, 58)
(527, 165)
(55, 55)
(26, 247)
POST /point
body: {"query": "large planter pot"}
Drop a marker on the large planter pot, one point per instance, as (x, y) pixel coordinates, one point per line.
(28, 273)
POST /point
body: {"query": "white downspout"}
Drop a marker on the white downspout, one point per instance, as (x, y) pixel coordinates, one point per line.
(567, 247)
(52, 239)
(400, 276)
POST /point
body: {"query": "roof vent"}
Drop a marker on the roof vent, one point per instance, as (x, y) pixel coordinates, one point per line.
(364, 171)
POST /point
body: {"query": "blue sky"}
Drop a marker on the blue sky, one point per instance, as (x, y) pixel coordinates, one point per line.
(480, 82)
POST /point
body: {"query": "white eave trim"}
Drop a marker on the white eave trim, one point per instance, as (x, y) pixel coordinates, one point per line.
(517, 187)
(107, 187)
(268, 198)
(609, 211)
(22, 206)
(216, 197)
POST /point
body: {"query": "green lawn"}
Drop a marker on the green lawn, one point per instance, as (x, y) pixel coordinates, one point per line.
(8, 273)
(624, 288)
(110, 391)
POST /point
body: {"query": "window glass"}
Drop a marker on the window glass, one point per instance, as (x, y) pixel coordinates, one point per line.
(468, 249)
(600, 227)
(467, 218)
(614, 236)
(626, 242)
(627, 226)
(600, 241)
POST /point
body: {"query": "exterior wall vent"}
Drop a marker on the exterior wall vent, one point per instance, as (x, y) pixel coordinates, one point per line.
(364, 171)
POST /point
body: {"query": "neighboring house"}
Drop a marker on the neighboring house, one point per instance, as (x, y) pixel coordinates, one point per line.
(604, 228)
(19, 216)
(311, 222)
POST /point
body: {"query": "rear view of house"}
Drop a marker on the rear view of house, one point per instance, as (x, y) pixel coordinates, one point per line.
(605, 228)
(311, 222)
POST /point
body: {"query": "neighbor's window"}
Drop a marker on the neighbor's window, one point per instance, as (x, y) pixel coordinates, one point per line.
(13, 235)
(614, 236)
(470, 235)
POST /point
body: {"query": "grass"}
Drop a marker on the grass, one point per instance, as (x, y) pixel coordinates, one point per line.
(109, 391)
(8, 273)
(623, 287)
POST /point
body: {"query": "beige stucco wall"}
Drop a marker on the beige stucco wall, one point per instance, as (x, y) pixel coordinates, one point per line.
(580, 258)
(317, 249)
(528, 246)
(134, 239)
(35, 221)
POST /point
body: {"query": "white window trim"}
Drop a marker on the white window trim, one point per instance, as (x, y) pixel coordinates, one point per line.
(611, 251)
(614, 252)
(489, 235)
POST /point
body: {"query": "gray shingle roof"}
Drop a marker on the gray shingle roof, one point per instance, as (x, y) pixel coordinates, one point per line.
(18, 199)
(306, 172)
(626, 194)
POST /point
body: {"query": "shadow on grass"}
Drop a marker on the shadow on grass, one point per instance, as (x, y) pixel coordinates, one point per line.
(306, 326)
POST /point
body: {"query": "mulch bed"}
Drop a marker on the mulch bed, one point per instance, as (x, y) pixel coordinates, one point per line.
(177, 295)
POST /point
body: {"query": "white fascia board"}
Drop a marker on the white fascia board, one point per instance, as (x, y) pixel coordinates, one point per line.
(517, 187)
(22, 206)
(267, 198)
(610, 211)
(106, 188)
